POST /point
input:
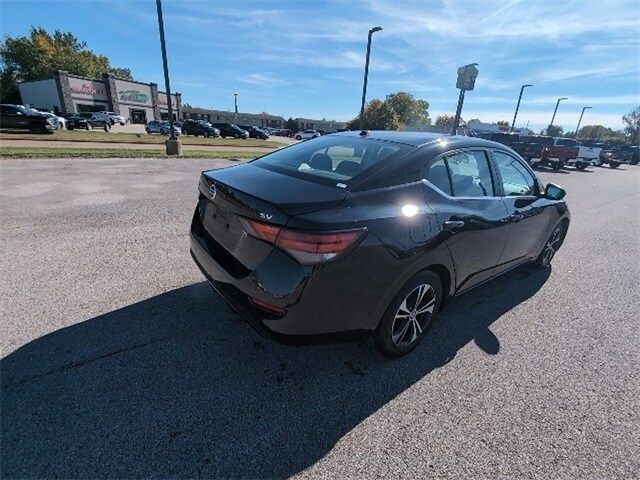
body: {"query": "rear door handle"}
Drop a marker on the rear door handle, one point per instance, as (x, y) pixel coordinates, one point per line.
(516, 217)
(453, 224)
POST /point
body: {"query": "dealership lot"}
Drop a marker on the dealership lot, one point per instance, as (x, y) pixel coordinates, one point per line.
(118, 361)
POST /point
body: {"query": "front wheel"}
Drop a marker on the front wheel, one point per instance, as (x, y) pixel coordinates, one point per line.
(298, 137)
(614, 164)
(409, 315)
(581, 166)
(556, 165)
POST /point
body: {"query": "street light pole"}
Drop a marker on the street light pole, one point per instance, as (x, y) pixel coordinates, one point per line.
(173, 146)
(513, 124)
(580, 121)
(235, 101)
(555, 111)
(366, 74)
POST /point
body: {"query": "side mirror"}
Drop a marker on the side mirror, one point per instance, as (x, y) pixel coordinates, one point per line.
(554, 192)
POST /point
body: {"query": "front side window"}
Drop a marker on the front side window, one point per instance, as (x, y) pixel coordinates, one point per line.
(516, 179)
(332, 160)
(470, 174)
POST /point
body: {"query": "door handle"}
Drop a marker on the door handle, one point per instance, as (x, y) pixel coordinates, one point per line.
(453, 224)
(516, 217)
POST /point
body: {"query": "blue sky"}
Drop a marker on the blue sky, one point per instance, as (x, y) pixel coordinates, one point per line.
(305, 58)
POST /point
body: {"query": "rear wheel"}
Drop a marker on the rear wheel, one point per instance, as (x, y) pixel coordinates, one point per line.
(581, 166)
(614, 164)
(556, 165)
(298, 137)
(409, 315)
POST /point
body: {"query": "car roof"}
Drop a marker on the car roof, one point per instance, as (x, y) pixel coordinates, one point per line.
(423, 138)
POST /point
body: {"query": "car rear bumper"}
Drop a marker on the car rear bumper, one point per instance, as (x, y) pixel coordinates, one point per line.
(334, 298)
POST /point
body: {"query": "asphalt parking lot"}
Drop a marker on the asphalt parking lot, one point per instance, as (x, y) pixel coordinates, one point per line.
(118, 361)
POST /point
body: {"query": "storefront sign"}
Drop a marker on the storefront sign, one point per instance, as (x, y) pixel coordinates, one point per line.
(81, 88)
(134, 96)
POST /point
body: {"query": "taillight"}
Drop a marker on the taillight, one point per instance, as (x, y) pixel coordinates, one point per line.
(306, 247)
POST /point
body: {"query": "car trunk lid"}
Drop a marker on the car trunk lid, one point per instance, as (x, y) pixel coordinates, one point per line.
(248, 191)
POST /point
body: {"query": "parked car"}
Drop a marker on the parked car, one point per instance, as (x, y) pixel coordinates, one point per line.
(115, 118)
(283, 132)
(610, 155)
(531, 151)
(21, 117)
(231, 130)
(341, 233)
(255, 132)
(199, 127)
(161, 127)
(87, 121)
(306, 134)
(62, 122)
(625, 154)
(570, 152)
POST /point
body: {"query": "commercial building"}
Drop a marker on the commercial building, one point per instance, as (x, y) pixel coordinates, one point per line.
(66, 93)
(259, 119)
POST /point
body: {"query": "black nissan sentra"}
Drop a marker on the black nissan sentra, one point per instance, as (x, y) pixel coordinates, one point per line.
(370, 231)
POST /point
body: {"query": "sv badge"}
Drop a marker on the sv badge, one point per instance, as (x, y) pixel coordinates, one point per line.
(265, 216)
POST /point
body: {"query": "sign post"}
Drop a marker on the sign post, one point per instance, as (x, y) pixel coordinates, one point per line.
(466, 81)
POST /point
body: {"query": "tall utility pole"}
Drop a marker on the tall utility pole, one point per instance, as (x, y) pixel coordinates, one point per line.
(513, 124)
(366, 74)
(580, 121)
(554, 112)
(235, 101)
(173, 145)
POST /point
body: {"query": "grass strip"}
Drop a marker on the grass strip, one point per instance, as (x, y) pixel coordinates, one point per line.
(123, 137)
(48, 152)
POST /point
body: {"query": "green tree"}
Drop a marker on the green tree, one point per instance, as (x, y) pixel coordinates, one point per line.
(41, 54)
(378, 115)
(632, 128)
(395, 112)
(445, 120)
(503, 123)
(600, 132)
(410, 110)
(291, 125)
(553, 131)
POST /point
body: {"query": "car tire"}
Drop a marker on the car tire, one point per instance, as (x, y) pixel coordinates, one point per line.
(581, 166)
(556, 165)
(614, 164)
(107, 127)
(298, 137)
(400, 329)
(552, 245)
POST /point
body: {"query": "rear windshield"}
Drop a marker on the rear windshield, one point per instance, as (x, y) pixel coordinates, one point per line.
(332, 160)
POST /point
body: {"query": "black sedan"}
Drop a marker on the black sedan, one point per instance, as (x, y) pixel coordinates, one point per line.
(370, 231)
(86, 121)
(231, 130)
(255, 132)
(199, 127)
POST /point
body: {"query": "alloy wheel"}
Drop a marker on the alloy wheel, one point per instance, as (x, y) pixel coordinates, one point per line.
(552, 246)
(413, 316)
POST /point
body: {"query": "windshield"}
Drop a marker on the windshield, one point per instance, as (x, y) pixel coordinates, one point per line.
(332, 160)
(541, 140)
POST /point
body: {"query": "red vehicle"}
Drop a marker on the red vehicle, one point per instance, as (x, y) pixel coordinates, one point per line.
(568, 150)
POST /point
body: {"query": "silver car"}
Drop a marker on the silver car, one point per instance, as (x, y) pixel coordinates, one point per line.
(163, 128)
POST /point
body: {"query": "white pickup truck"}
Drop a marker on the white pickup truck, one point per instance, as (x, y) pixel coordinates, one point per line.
(572, 153)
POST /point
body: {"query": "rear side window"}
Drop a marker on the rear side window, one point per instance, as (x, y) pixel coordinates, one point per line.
(470, 174)
(332, 160)
(437, 174)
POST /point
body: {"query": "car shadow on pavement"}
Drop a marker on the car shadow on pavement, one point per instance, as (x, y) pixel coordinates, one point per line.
(178, 386)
